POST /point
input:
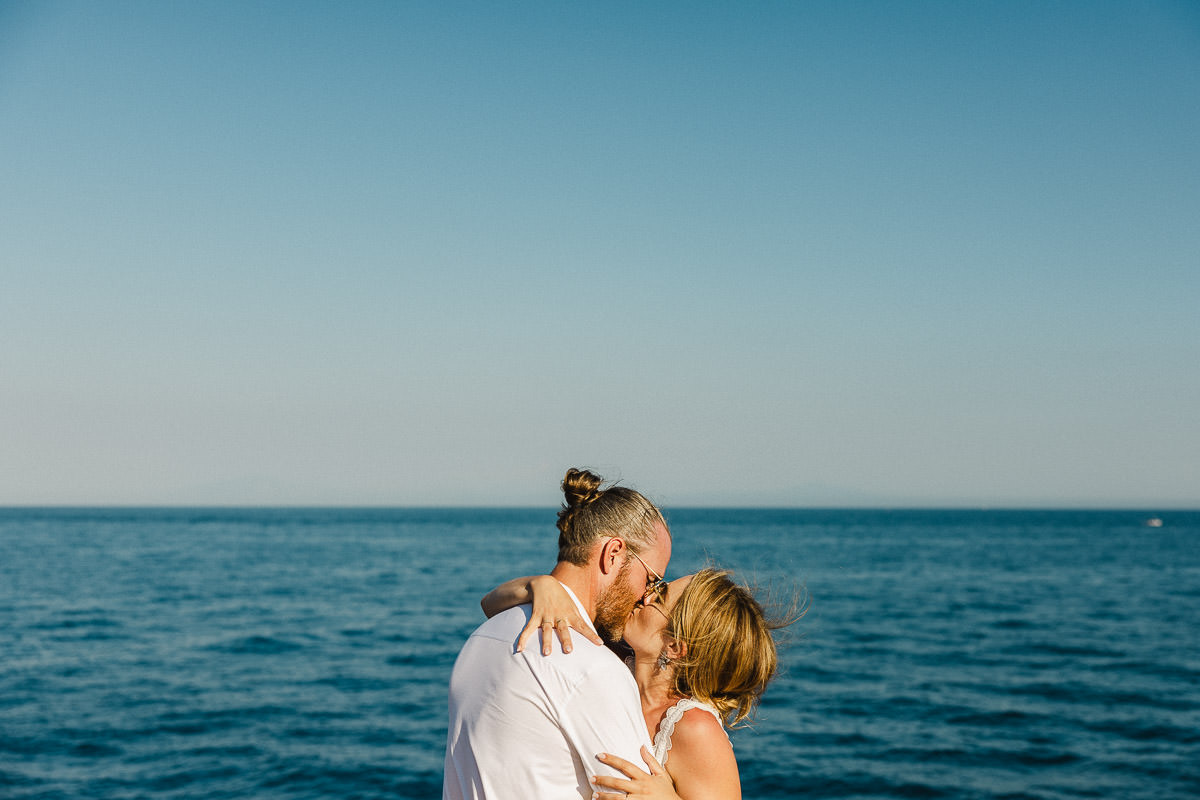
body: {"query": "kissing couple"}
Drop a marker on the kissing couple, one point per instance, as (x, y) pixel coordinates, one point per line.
(637, 705)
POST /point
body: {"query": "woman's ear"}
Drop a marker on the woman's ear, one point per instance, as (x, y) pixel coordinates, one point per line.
(675, 648)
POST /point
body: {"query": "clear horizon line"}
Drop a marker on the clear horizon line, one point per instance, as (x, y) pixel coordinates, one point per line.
(1165, 507)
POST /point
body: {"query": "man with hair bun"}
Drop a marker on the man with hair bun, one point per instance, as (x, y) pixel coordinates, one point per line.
(528, 725)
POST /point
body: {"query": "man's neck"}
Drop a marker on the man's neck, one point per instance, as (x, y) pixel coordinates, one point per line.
(581, 581)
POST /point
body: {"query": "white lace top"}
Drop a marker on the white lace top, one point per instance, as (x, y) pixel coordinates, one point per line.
(662, 739)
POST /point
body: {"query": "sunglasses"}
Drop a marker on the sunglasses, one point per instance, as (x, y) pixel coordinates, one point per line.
(655, 584)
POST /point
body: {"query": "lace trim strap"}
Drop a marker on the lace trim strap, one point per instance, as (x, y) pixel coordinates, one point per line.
(662, 739)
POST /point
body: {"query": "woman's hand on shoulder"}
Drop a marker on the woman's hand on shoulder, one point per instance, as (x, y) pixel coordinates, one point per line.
(554, 610)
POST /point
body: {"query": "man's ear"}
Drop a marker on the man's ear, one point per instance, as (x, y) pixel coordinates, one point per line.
(610, 555)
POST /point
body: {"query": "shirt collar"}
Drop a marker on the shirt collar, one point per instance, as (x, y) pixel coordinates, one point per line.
(578, 605)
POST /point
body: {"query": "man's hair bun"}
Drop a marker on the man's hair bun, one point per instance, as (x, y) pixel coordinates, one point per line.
(581, 487)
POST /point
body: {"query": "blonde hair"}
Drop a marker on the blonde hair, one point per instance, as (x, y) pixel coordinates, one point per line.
(731, 654)
(591, 514)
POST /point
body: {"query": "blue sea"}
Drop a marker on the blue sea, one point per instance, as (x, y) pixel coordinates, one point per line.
(301, 653)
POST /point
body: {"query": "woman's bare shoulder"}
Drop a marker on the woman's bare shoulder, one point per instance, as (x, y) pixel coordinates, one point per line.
(699, 728)
(702, 763)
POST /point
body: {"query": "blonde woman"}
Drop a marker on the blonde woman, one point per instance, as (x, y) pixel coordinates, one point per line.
(702, 654)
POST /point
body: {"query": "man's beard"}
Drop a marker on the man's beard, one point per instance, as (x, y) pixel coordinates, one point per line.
(614, 604)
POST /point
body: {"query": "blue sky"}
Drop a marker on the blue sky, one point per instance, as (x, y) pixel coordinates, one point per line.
(732, 253)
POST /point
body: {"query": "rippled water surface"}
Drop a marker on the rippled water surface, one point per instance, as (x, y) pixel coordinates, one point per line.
(305, 653)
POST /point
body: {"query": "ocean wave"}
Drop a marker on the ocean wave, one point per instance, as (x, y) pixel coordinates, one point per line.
(257, 645)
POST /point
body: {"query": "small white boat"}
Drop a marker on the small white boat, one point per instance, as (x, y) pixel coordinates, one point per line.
(1154, 522)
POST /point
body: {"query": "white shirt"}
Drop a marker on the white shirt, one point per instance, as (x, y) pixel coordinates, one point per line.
(524, 725)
